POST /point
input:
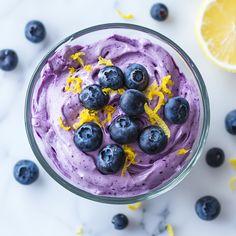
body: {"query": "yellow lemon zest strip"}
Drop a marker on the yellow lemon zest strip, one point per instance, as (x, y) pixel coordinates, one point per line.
(77, 57)
(170, 230)
(233, 162)
(120, 91)
(73, 85)
(79, 231)
(130, 158)
(135, 206)
(109, 110)
(66, 128)
(182, 151)
(155, 119)
(104, 61)
(232, 183)
(71, 71)
(161, 101)
(122, 15)
(88, 68)
(167, 81)
(109, 90)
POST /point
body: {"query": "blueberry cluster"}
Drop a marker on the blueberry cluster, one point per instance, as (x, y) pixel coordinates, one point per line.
(124, 129)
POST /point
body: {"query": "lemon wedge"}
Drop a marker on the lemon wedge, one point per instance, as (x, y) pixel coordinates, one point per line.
(216, 32)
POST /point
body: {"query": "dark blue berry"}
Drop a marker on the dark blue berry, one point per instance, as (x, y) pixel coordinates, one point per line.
(176, 110)
(215, 157)
(152, 140)
(93, 98)
(8, 59)
(120, 221)
(132, 102)
(124, 130)
(26, 172)
(230, 122)
(136, 77)
(111, 77)
(159, 12)
(88, 137)
(35, 31)
(110, 159)
(207, 208)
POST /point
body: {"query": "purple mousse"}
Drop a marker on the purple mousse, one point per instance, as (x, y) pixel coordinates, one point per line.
(51, 102)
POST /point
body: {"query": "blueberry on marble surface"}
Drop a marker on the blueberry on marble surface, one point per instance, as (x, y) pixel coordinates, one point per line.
(208, 208)
(215, 157)
(136, 77)
(132, 102)
(111, 77)
(35, 31)
(8, 59)
(26, 172)
(93, 98)
(230, 122)
(110, 159)
(124, 130)
(120, 221)
(159, 12)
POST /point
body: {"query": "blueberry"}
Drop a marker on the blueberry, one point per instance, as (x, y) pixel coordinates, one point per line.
(176, 110)
(159, 12)
(124, 130)
(207, 208)
(93, 98)
(111, 77)
(215, 157)
(35, 31)
(136, 77)
(88, 137)
(110, 159)
(152, 140)
(26, 172)
(120, 221)
(8, 59)
(132, 102)
(230, 122)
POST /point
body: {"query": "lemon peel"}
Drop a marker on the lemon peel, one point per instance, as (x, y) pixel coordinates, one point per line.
(71, 71)
(73, 85)
(88, 68)
(62, 125)
(130, 158)
(135, 206)
(124, 16)
(104, 61)
(109, 90)
(166, 80)
(170, 230)
(182, 151)
(77, 57)
(233, 162)
(232, 183)
(109, 110)
(79, 231)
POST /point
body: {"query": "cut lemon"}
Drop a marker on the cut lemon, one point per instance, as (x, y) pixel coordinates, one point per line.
(216, 32)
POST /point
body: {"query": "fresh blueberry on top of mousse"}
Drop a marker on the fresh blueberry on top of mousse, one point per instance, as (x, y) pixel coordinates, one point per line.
(152, 140)
(35, 31)
(215, 157)
(93, 98)
(88, 137)
(132, 102)
(110, 159)
(8, 59)
(26, 172)
(159, 12)
(230, 122)
(120, 221)
(136, 77)
(176, 110)
(124, 129)
(111, 77)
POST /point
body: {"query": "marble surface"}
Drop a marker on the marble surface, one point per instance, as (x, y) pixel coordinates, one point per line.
(45, 208)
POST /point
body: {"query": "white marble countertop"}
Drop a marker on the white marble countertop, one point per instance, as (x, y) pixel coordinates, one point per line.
(45, 208)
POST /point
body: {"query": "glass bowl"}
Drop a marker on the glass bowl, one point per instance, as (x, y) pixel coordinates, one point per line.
(186, 66)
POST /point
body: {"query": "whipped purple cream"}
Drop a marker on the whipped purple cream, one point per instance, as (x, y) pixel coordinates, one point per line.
(51, 101)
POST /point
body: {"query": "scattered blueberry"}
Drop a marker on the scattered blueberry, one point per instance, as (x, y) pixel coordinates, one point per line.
(110, 159)
(35, 31)
(132, 102)
(88, 137)
(136, 77)
(93, 98)
(8, 59)
(111, 77)
(230, 122)
(152, 140)
(159, 12)
(207, 208)
(26, 172)
(176, 110)
(215, 157)
(120, 221)
(124, 130)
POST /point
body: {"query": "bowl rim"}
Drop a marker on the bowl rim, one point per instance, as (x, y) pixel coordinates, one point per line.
(131, 199)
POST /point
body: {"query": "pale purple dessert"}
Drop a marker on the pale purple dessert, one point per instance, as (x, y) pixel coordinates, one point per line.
(53, 100)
